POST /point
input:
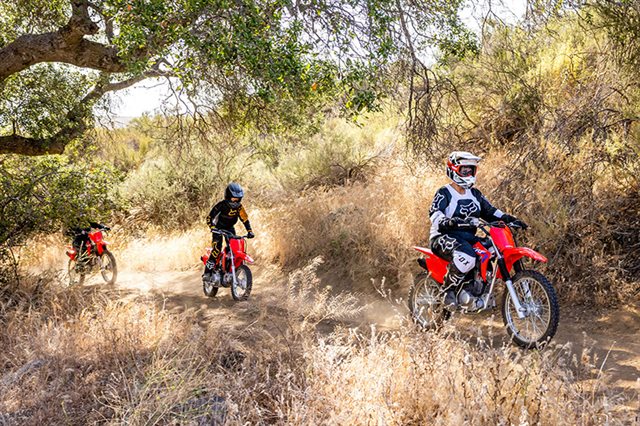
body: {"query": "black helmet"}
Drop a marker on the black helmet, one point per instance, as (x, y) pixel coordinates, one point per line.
(234, 190)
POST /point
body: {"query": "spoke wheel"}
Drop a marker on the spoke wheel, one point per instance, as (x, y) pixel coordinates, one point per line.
(244, 280)
(108, 268)
(541, 309)
(76, 275)
(426, 302)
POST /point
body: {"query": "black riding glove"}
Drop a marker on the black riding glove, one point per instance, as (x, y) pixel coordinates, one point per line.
(513, 221)
(457, 223)
(519, 224)
(250, 234)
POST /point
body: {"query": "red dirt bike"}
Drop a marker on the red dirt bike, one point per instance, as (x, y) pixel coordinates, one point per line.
(231, 269)
(530, 308)
(96, 257)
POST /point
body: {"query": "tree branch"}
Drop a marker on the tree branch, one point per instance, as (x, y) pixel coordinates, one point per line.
(78, 120)
(66, 45)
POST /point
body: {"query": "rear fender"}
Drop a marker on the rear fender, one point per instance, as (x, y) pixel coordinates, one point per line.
(512, 255)
(436, 266)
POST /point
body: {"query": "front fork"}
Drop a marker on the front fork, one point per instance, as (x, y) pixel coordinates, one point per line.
(512, 291)
(233, 265)
(233, 268)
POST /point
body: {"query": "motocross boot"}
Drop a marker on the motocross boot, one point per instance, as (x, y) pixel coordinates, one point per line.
(452, 282)
(208, 270)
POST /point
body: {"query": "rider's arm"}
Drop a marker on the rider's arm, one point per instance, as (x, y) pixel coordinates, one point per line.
(244, 217)
(212, 219)
(437, 212)
(487, 211)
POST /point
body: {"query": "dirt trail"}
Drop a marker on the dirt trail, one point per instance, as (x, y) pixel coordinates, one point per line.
(613, 336)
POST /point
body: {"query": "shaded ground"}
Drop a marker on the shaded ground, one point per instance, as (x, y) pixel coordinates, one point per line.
(610, 337)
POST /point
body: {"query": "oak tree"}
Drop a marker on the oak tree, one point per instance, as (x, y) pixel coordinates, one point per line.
(58, 58)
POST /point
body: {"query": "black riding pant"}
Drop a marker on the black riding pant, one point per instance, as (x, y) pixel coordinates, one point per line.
(217, 241)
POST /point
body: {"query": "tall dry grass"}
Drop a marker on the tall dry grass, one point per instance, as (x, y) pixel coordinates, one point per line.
(86, 358)
(363, 230)
(159, 251)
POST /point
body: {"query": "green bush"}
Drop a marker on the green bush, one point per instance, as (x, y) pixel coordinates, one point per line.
(174, 188)
(45, 194)
(340, 153)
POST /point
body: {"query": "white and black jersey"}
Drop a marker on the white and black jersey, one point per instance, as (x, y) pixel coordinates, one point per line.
(448, 203)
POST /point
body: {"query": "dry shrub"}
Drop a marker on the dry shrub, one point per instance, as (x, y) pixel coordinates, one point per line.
(307, 298)
(340, 153)
(580, 205)
(404, 378)
(362, 230)
(83, 358)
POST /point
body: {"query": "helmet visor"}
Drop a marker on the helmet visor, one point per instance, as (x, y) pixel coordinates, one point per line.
(466, 170)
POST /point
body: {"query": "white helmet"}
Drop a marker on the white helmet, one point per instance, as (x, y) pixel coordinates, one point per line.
(467, 176)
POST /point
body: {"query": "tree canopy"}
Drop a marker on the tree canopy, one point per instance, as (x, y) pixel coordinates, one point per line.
(58, 58)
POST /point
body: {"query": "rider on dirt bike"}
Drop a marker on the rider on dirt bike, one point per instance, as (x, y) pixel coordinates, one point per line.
(224, 215)
(80, 236)
(454, 217)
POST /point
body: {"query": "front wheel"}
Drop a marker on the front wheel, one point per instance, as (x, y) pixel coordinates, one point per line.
(108, 267)
(426, 302)
(244, 280)
(541, 310)
(76, 273)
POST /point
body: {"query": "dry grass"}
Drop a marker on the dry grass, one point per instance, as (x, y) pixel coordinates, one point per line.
(159, 251)
(83, 358)
(362, 230)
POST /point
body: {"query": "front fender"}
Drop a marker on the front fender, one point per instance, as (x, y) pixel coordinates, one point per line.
(513, 254)
(102, 246)
(242, 257)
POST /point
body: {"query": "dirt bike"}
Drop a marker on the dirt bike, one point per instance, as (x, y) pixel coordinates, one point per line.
(530, 308)
(231, 269)
(95, 257)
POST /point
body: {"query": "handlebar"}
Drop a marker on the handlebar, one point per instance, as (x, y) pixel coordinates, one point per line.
(228, 234)
(496, 224)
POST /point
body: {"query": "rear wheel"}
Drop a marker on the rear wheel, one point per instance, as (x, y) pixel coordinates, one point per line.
(426, 302)
(542, 312)
(244, 280)
(75, 273)
(108, 267)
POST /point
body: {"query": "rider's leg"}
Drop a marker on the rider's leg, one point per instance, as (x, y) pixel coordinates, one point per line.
(458, 251)
(216, 245)
(462, 263)
(80, 242)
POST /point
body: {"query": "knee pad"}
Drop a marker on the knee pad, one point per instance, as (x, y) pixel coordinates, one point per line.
(463, 261)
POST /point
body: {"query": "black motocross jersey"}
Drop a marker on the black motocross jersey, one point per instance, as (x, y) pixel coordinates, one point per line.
(448, 203)
(223, 216)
